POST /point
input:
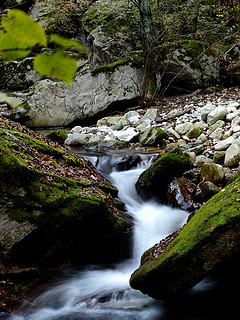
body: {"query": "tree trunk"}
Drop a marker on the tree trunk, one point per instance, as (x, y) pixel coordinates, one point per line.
(150, 83)
(195, 18)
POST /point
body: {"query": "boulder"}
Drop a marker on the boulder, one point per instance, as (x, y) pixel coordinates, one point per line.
(187, 64)
(218, 157)
(54, 204)
(218, 113)
(114, 40)
(18, 75)
(153, 136)
(212, 172)
(183, 128)
(224, 144)
(206, 110)
(232, 156)
(57, 104)
(208, 190)
(59, 136)
(196, 130)
(200, 160)
(153, 182)
(126, 162)
(19, 4)
(210, 238)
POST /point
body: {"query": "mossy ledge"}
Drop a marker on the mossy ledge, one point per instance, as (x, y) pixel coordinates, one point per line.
(55, 207)
(209, 239)
(133, 60)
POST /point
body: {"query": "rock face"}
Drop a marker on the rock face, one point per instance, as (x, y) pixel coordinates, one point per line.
(114, 40)
(57, 104)
(207, 240)
(188, 65)
(18, 75)
(20, 4)
(54, 204)
(152, 183)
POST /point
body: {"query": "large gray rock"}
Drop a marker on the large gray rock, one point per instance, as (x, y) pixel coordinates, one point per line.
(232, 156)
(224, 144)
(57, 104)
(218, 113)
(206, 110)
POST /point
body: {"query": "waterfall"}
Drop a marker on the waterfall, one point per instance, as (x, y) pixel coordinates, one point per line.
(97, 293)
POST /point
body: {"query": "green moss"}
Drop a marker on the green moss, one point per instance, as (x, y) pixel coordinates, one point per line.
(222, 209)
(171, 164)
(9, 160)
(134, 60)
(192, 47)
(235, 68)
(108, 189)
(58, 135)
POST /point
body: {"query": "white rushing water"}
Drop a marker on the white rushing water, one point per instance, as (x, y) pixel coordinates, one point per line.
(97, 293)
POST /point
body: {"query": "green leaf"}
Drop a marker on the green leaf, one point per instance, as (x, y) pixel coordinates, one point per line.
(56, 65)
(67, 43)
(21, 34)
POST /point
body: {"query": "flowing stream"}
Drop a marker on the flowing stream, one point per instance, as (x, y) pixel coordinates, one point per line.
(98, 293)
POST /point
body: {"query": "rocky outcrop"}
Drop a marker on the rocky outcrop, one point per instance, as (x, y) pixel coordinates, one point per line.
(54, 204)
(57, 104)
(114, 40)
(187, 64)
(209, 239)
(18, 75)
(20, 4)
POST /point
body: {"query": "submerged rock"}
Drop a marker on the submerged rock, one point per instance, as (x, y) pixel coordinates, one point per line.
(55, 207)
(126, 162)
(210, 238)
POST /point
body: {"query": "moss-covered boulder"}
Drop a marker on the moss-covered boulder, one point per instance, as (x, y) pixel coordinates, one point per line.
(209, 239)
(152, 183)
(59, 136)
(153, 136)
(54, 206)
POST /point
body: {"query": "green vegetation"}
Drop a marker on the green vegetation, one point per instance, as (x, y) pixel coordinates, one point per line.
(58, 135)
(133, 60)
(21, 34)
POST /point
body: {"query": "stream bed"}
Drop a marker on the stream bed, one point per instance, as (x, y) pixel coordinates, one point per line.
(103, 293)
